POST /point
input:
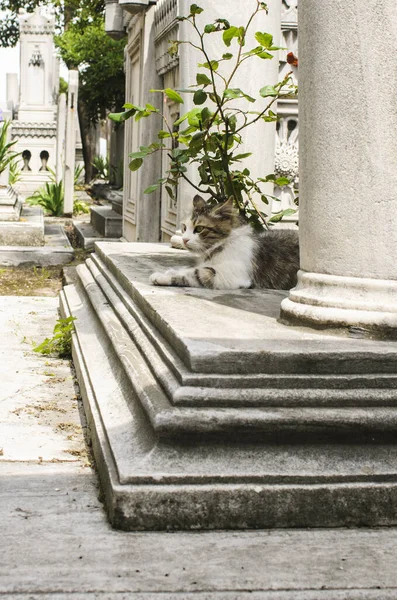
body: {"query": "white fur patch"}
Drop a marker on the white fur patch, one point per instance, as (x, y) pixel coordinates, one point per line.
(233, 265)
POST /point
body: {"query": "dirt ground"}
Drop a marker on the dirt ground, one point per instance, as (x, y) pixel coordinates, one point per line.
(30, 281)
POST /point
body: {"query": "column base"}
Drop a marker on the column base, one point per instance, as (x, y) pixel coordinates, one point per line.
(321, 300)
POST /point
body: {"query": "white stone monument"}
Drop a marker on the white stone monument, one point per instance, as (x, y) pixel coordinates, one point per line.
(35, 127)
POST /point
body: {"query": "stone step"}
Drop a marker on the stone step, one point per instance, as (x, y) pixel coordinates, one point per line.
(226, 450)
(117, 204)
(106, 221)
(10, 204)
(88, 236)
(28, 230)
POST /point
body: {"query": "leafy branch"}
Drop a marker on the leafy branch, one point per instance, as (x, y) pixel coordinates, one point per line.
(209, 135)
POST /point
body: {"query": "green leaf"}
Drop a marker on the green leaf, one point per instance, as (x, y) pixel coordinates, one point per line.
(268, 178)
(133, 106)
(210, 28)
(193, 117)
(222, 24)
(173, 95)
(141, 154)
(269, 118)
(276, 218)
(199, 97)
(170, 192)
(280, 181)
(264, 39)
(229, 34)
(241, 156)
(195, 10)
(227, 56)
(121, 117)
(173, 48)
(163, 134)
(213, 64)
(237, 93)
(152, 188)
(135, 164)
(203, 79)
(268, 90)
(258, 51)
(141, 114)
(181, 119)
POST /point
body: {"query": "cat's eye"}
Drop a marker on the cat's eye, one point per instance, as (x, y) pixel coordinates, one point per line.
(198, 229)
(183, 227)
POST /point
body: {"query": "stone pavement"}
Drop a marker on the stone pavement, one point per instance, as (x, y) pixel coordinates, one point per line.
(55, 540)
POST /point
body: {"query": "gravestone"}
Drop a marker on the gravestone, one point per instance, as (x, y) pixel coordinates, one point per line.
(35, 129)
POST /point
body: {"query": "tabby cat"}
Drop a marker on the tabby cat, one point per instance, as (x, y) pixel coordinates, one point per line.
(231, 255)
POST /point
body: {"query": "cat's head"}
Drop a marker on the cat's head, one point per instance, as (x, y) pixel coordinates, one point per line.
(208, 225)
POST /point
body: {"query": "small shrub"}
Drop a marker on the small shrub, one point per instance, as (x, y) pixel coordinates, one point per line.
(77, 174)
(61, 342)
(6, 154)
(50, 197)
(15, 172)
(101, 166)
(80, 207)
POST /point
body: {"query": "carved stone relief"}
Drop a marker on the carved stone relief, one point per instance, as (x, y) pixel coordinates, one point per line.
(166, 29)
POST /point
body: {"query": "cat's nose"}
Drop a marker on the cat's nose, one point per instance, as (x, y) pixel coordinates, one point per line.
(185, 240)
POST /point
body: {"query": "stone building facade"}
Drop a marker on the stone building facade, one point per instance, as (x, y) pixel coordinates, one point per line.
(150, 25)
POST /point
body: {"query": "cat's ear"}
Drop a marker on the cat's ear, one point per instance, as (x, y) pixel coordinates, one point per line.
(199, 203)
(226, 209)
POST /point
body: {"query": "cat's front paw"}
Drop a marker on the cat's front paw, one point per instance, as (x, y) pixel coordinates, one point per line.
(160, 279)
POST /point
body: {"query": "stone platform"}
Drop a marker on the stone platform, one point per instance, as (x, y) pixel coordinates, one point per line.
(206, 412)
(56, 250)
(25, 230)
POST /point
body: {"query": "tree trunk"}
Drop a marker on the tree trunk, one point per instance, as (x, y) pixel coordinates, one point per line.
(88, 140)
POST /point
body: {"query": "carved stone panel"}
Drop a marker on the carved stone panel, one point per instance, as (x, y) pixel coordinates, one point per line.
(166, 29)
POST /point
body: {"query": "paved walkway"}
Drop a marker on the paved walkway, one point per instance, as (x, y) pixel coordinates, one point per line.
(55, 541)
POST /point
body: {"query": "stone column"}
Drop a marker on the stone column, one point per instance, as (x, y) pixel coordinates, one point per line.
(12, 87)
(70, 151)
(348, 165)
(61, 132)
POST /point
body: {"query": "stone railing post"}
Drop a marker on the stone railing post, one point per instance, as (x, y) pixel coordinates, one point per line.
(348, 165)
(61, 133)
(70, 151)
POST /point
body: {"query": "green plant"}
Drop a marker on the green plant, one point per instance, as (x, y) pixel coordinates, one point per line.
(41, 273)
(7, 156)
(80, 207)
(101, 166)
(77, 174)
(63, 86)
(50, 197)
(61, 342)
(212, 134)
(15, 172)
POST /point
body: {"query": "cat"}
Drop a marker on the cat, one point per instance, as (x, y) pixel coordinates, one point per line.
(231, 255)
